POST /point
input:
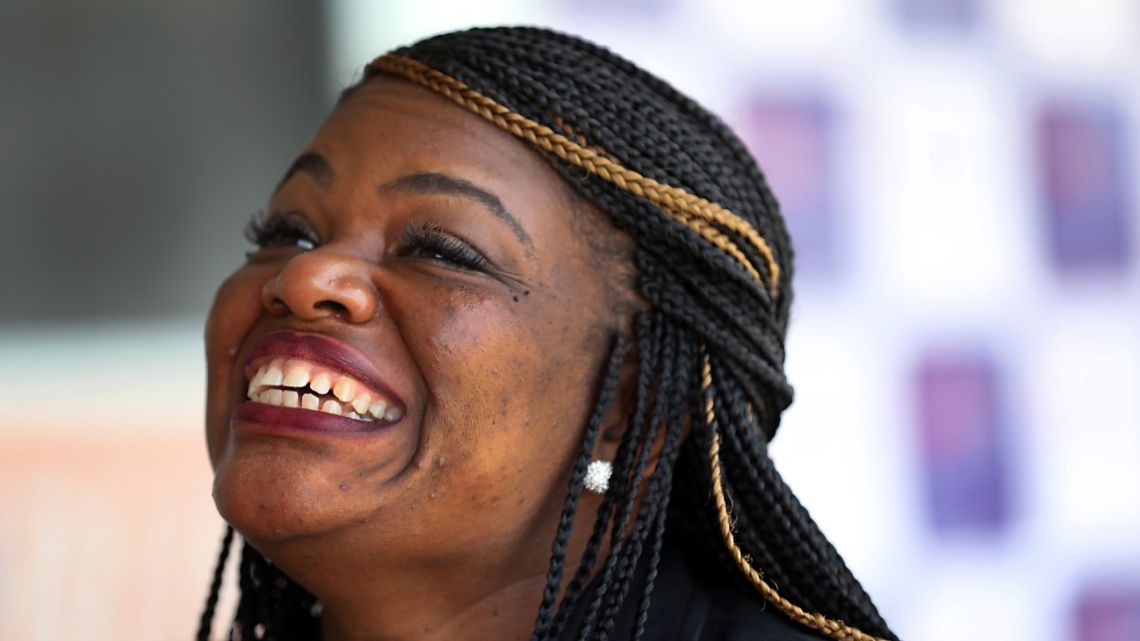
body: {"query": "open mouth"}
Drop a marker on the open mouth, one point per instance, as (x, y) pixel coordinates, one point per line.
(298, 383)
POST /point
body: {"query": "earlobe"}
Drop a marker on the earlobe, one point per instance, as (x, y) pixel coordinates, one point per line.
(598, 476)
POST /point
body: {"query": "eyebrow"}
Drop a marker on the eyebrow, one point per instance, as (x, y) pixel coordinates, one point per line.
(434, 183)
(313, 164)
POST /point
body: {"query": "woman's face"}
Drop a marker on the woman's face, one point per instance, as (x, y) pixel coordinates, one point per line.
(431, 261)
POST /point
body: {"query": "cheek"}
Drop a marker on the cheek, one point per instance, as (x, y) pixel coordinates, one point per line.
(510, 386)
(471, 362)
(237, 306)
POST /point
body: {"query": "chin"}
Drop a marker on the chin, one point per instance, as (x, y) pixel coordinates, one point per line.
(275, 497)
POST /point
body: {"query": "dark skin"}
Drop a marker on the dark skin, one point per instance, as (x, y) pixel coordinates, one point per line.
(439, 526)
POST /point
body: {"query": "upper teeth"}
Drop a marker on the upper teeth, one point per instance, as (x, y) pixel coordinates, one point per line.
(309, 382)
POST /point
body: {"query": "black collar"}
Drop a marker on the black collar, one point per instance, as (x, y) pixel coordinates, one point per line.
(686, 607)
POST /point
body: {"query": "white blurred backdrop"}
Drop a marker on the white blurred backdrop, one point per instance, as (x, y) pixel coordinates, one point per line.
(960, 176)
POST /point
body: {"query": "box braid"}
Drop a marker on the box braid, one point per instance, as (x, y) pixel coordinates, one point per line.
(215, 587)
(714, 262)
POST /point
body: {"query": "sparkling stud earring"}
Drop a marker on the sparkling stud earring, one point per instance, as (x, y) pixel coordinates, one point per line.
(598, 476)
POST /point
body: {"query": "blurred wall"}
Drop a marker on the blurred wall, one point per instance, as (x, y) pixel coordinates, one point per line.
(137, 138)
(141, 134)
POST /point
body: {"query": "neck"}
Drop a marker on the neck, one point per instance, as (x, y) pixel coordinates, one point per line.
(440, 611)
(484, 589)
(371, 596)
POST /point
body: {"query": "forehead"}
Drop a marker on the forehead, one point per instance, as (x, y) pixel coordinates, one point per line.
(389, 127)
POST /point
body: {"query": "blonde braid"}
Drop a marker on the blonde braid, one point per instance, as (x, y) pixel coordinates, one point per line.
(834, 629)
(692, 211)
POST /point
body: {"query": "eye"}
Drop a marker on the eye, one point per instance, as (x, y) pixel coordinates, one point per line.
(430, 242)
(280, 230)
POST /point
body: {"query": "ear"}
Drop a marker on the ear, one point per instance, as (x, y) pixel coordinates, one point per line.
(616, 420)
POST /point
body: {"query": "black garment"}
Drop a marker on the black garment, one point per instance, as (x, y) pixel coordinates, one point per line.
(688, 607)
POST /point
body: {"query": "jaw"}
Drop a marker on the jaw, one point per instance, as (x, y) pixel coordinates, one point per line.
(275, 486)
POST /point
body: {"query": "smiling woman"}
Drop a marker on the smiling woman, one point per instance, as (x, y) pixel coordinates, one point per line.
(509, 257)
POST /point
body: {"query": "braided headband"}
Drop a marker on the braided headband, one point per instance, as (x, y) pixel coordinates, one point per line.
(706, 218)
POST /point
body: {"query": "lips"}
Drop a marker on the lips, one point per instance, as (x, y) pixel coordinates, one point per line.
(308, 381)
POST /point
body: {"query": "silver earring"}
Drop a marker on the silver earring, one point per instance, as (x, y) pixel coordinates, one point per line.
(598, 476)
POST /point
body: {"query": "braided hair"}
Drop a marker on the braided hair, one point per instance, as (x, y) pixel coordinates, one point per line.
(714, 264)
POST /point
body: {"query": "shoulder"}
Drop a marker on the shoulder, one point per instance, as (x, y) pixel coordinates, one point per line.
(691, 608)
(733, 617)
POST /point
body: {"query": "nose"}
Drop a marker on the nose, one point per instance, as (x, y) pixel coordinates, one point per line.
(321, 283)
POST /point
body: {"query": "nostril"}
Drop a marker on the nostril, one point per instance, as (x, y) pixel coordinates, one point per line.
(333, 307)
(278, 307)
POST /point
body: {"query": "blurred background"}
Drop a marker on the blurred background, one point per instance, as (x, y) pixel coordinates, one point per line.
(961, 179)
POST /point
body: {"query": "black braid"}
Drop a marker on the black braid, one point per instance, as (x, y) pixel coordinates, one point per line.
(647, 514)
(570, 507)
(702, 301)
(602, 524)
(626, 479)
(271, 606)
(246, 616)
(659, 495)
(207, 619)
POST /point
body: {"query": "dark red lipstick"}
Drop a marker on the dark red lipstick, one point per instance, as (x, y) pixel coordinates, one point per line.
(323, 352)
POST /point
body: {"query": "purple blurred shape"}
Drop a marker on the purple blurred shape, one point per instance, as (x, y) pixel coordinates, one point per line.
(961, 433)
(1084, 177)
(791, 138)
(942, 15)
(1108, 612)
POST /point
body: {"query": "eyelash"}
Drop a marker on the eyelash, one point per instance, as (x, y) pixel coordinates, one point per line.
(280, 230)
(427, 240)
(421, 240)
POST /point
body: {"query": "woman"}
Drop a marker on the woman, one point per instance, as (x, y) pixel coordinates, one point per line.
(505, 362)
